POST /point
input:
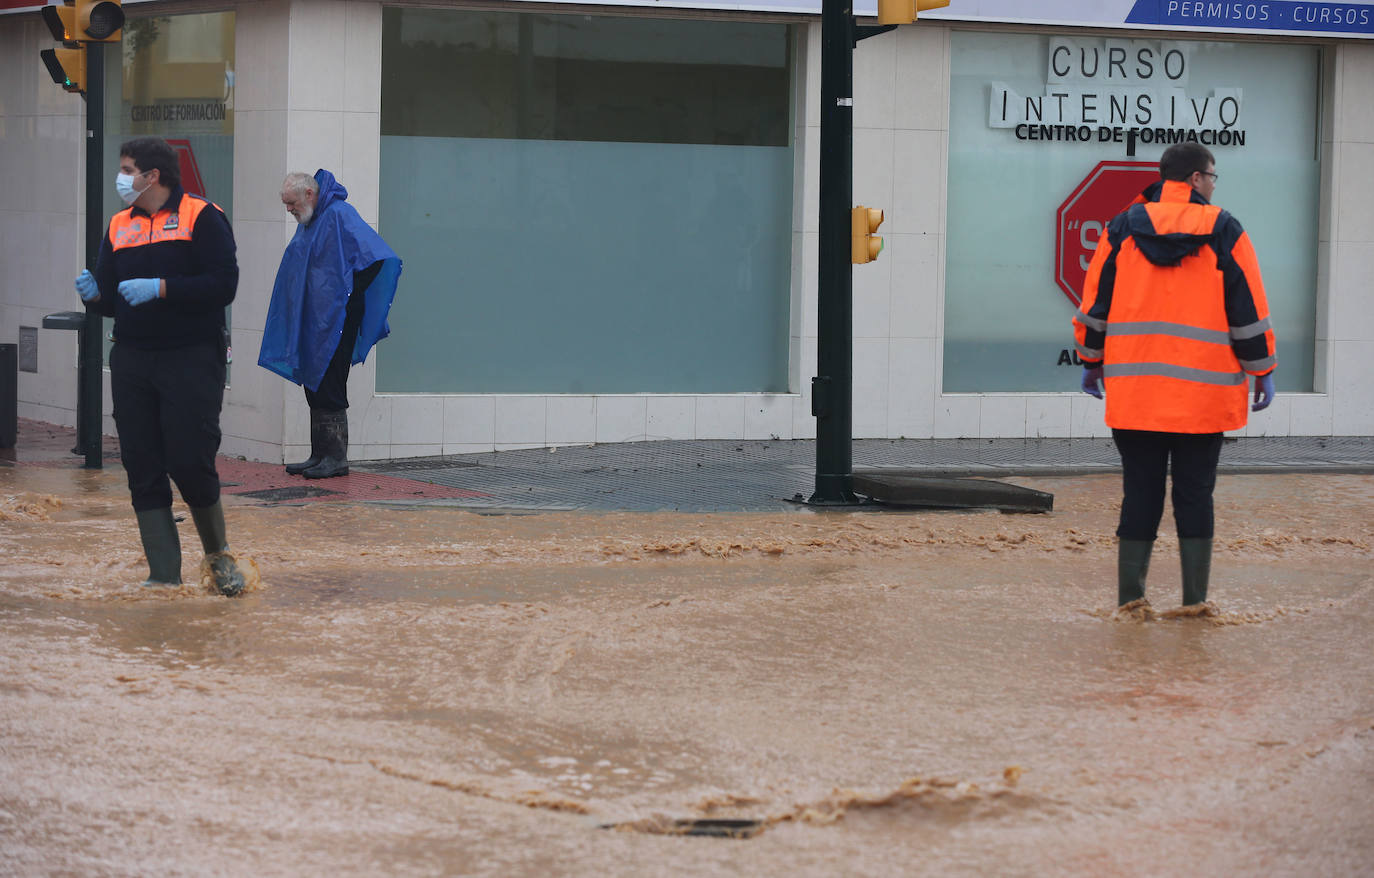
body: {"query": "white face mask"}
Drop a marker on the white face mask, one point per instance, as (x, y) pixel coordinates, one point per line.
(124, 185)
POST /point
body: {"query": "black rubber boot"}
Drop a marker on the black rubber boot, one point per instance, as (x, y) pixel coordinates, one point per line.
(209, 521)
(1132, 563)
(1196, 555)
(334, 445)
(162, 546)
(295, 469)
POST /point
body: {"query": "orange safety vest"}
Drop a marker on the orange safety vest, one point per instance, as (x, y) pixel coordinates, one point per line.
(130, 229)
(1174, 310)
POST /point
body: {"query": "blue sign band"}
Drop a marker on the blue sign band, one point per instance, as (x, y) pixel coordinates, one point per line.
(1281, 15)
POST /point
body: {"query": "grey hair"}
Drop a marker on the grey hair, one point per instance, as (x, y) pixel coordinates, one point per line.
(299, 183)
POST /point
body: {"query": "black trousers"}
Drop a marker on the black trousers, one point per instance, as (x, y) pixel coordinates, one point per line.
(1146, 461)
(332, 394)
(166, 409)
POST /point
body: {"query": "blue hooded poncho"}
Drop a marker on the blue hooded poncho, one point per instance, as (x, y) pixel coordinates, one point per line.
(306, 315)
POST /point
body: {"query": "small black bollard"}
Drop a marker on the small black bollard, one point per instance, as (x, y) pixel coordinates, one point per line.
(88, 403)
(9, 395)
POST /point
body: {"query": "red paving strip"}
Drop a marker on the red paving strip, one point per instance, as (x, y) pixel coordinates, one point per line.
(49, 445)
(268, 483)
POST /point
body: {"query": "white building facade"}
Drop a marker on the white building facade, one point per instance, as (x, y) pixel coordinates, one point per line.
(608, 214)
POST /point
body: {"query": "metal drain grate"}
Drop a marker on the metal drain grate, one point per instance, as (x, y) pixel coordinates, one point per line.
(709, 827)
(418, 465)
(294, 492)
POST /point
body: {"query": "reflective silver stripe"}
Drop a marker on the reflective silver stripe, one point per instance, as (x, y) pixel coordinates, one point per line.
(1259, 365)
(1088, 353)
(1091, 322)
(1169, 370)
(1178, 330)
(1254, 329)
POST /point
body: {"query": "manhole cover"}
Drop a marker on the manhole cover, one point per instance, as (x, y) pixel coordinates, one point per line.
(294, 492)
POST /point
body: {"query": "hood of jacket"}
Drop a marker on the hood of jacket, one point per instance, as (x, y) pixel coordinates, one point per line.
(1172, 224)
(331, 190)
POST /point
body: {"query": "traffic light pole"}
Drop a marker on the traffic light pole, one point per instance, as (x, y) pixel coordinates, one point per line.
(832, 390)
(89, 390)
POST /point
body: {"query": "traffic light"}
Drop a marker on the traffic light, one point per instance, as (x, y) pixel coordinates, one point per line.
(67, 66)
(61, 20)
(863, 245)
(73, 24)
(100, 20)
(905, 11)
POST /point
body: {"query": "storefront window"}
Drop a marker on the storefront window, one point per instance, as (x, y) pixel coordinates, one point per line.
(176, 81)
(1032, 120)
(586, 204)
(173, 77)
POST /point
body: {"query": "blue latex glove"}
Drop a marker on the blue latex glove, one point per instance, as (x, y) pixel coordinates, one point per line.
(86, 287)
(1264, 392)
(139, 290)
(1092, 381)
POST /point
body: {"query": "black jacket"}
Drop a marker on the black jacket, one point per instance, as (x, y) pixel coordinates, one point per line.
(188, 243)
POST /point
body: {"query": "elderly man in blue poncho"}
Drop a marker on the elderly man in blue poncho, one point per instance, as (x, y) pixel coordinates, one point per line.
(329, 307)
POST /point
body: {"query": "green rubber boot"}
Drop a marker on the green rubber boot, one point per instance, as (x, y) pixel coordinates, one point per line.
(1132, 563)
(209, 521)
(1196, 556)
(161, 544)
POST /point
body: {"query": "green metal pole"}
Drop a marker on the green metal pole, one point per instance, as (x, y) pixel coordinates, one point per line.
(832, 388)
(89, 390)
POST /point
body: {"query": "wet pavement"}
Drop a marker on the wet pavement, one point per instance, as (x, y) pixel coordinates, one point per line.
(726, 475)
(691, 476)
(430, 682)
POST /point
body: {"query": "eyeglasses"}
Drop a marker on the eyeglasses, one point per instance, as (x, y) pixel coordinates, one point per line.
(1214, 177)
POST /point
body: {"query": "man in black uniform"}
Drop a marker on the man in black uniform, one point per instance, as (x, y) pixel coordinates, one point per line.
(166, 271)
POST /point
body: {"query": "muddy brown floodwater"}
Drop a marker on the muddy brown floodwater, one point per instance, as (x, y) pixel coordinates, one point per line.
(428, 691)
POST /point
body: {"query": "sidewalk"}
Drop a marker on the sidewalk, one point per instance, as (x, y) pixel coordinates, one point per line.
(50, 446)
(687, 476)
(732, 475)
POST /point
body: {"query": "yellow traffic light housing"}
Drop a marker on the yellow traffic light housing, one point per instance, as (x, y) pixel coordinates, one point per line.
(864, 246)
(67, 66)
(99, 20)
(61, 21)
(905, 11)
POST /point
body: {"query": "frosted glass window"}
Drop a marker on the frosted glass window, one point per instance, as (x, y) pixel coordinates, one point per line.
(586, 205)
(577, 77)
(173, 77)
(1007, 323)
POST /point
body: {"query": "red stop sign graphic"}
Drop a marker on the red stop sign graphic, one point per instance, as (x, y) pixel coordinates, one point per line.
(190, 171)
(1084, 215)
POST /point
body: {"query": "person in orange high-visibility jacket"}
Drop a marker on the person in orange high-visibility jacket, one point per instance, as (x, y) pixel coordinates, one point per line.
(1173, 319)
